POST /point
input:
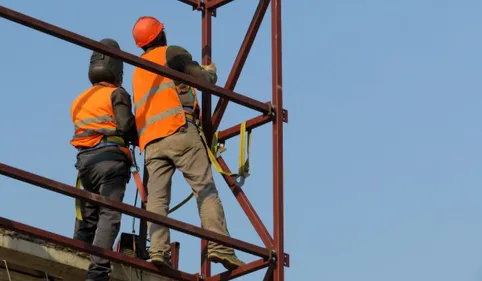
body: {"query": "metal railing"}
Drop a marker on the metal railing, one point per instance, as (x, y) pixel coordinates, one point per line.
(272, 255)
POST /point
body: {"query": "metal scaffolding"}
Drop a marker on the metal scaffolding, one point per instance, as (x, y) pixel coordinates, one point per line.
(272, 255)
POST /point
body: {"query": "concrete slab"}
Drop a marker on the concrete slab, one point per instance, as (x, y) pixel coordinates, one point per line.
(30, 259)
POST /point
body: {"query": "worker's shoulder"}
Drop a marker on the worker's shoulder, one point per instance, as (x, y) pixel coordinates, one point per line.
(175, 51)
(120, 92)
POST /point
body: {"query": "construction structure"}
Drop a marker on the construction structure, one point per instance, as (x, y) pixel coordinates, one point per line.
(272, 256)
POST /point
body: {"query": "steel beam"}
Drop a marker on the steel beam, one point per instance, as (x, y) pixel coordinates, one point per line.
(206, 51)
(277, 87)
(250, 124)
(247, 207)
(93, 250)
(214, 4)
(240, 271)
(175, 255)
(98, 200)
(240, 59)
(269, 274)
(130, 58)
(142, 250)
(274, 113)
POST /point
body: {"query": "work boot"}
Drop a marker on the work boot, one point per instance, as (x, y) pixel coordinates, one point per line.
(160, 261)
(229, 261)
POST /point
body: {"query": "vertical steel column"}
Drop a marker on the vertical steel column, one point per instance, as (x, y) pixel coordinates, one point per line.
(206, 115)
(175, 255)
(277, 85)
(142, 248)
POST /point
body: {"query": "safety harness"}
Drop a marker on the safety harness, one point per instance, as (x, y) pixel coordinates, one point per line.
(129, 153)
(214, 152)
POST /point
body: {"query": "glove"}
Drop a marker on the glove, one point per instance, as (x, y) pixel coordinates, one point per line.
(210, 68)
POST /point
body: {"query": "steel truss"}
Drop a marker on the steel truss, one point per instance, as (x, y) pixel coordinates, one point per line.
(272, 255)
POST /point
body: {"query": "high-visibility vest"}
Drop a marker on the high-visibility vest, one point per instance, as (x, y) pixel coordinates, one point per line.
(93, 116)
(158, 109)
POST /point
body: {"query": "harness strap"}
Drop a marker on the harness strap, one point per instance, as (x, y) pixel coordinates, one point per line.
(243, 166)
(137, 178)
(78, 211)
(213, 153)
(111, 141)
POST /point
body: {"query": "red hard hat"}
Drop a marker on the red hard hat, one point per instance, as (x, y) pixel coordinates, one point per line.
(145, 30)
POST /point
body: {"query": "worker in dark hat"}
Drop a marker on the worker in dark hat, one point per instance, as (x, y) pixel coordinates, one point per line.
(167, 114)
(104, 128)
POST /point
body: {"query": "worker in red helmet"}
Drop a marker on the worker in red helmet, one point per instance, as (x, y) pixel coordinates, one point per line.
(104, 126)
(166, 114)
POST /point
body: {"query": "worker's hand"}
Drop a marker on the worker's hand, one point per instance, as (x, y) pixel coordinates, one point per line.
(210, 68)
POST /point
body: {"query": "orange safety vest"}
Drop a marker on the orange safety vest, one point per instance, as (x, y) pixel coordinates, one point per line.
(158, 110)
(93, 116)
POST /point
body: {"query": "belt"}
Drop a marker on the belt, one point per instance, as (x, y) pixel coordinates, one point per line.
(106, 141)
(192, 118)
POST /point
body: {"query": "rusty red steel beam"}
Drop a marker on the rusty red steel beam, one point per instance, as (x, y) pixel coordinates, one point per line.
(269, 274)
(247, 207)
(206, 51)
(93, 250)
(240, 271)
(277, 88)
(134, 60)
(175, 255)
(98, 200)
(214, 4)
(250, 125)
(205, 263)
(240, 60)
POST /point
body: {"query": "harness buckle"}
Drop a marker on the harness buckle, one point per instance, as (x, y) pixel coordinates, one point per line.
(134, 167)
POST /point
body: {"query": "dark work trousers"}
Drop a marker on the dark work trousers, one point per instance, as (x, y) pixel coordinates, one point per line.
(104, 171)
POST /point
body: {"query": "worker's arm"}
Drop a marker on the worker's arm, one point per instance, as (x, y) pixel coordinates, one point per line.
(180, 59)
(124, 119)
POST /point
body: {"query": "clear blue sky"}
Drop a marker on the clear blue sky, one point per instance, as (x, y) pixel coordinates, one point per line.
(383, 149)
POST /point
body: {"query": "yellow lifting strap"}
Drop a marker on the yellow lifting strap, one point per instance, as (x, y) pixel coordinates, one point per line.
(243, 166)
(78, 212)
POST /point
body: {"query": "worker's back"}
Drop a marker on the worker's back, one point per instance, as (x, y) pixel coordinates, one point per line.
(93, 116)
(159, 112)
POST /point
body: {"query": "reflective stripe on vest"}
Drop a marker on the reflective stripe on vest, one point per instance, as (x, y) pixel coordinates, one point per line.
(158, 117)
(154, 90)
(100, 119)
(91, 132)
(93, 116)
(158, 110)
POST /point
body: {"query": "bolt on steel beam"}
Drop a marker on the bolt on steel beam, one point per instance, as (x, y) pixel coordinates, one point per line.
(130, 210)
(85, 42)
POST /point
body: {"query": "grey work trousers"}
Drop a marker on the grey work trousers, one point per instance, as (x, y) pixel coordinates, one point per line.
(100, 226)
(185, 151)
